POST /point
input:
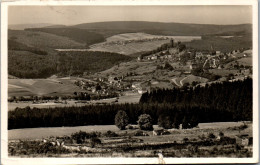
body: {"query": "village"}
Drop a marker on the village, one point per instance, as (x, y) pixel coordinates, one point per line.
(175, 59)
(170, 66)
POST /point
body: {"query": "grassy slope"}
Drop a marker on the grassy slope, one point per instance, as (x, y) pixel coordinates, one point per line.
(130, 49)
(46, 87)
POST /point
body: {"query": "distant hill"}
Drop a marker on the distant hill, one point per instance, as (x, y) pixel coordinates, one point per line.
(41, 40)
(25, 26)
(159, 28)
(78, 35)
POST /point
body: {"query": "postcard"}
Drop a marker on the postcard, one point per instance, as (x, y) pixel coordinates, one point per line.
(125, 82)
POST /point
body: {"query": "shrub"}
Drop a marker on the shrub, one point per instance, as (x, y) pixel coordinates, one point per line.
(221, 134)
(242, 127)
(110, 134)
(165, 122)
(202, 137)
(121, 119)
(211, 136)
(193, 148)
(145, 122)
(185, 140)
(81, 136)
(139, 133)
(227, 140)
(165, 132)
(94, 141)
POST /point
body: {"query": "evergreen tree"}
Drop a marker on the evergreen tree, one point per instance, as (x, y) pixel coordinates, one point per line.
(121, 119)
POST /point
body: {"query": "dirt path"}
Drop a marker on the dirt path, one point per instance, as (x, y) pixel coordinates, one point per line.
(183, 79)
(181, 84)
(175, 82)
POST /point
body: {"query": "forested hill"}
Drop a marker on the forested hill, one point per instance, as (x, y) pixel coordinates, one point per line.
(79, 35)
(235, 97)
(165, 28)
(25, 64)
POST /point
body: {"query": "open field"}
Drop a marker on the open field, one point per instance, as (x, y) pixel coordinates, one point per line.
(202, 141)
(129, 48)
(128, 98)
(130, 43)
(245, 61)
(223, 72)
(142, 36)
(38, 133)
(40, 87)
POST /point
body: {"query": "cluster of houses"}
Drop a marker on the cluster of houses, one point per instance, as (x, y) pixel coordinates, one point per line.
(93, 87)
(208, 59)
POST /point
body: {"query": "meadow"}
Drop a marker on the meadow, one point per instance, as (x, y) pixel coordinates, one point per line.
(42, 87)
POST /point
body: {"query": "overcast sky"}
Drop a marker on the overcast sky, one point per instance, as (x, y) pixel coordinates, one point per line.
(70, 15)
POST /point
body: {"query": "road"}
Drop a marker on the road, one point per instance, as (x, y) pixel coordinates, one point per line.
(181, 81)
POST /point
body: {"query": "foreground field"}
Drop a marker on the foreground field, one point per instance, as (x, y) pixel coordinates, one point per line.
(108, 141)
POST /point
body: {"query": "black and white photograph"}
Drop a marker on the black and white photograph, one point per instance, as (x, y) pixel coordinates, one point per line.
(151, 82)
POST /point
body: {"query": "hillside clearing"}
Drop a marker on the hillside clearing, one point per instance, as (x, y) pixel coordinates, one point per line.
(131, 43)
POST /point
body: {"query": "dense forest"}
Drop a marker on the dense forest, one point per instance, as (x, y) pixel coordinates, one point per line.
(14, 45)
(225, 45)
(230, 101)
(235, 97)
(105, 115)
(24, 64)
(75, 63)
(79, 35)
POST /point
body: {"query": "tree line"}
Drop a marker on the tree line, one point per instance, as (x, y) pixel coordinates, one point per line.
(105, 115)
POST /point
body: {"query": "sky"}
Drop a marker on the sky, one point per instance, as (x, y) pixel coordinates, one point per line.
(71, 15)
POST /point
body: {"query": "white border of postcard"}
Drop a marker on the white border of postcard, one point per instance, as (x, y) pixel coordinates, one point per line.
(4, 86)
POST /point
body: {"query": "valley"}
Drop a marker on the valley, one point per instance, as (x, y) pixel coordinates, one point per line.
(191, 83)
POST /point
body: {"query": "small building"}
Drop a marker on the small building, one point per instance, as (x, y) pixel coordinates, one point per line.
(193, 66)
(139, 58)
(154, 57)
(218, 52)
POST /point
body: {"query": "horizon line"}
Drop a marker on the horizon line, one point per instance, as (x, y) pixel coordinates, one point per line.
(133, 21)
